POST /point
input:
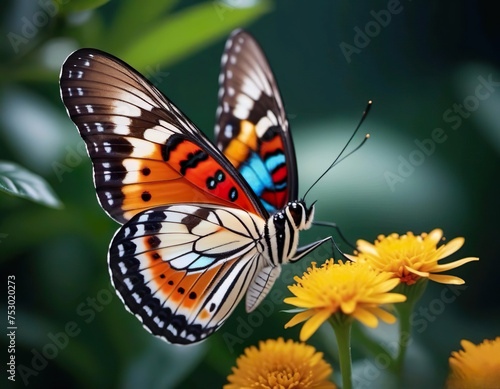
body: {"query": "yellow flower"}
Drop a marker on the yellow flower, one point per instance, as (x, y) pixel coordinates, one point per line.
(277, 364)
(353, 289)
(409, 257)
(476, 367)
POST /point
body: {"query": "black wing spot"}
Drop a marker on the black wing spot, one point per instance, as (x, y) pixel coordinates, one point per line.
(146, 196)
(157, 216)
(172, 143)
(192, 295)
(118, 146)
(154, 241)
(233, 194)
(191, 221)
(220, 176)
(193, 160)
(212, 307)
(156, 256)
(181, 290)
(211, 183)
(146, 171)
(153, 227)
(170, 282)
(270, 133)
(162, 275)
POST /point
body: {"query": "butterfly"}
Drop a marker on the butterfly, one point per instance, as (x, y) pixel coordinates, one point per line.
(202, 226)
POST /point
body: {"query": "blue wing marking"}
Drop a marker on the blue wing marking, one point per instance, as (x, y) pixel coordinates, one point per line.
(255, 172)
(201, 263)
(275, 161)
(258, 175)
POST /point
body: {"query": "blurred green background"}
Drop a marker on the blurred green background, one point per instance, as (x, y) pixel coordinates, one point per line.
(422, 68)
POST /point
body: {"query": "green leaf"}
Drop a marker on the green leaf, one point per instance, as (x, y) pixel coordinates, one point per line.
(39, 132)
(81, 5)
(294, 310)
(20, 182)
(132, 16)
(189, 30)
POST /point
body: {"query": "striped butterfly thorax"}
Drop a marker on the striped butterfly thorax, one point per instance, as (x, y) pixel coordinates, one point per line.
(202, 226)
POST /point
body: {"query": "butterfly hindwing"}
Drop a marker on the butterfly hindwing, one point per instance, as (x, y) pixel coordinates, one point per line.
(196, 234)
(252, 130)
(145, 152)
(182, 269)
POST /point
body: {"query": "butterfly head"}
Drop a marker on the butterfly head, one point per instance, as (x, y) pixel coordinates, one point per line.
(299, 214)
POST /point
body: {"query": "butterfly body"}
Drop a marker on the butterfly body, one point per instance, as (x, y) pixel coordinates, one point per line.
(202, 225)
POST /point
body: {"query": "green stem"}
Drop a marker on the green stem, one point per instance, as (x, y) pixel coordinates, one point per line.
(342, 327)
(404, 310)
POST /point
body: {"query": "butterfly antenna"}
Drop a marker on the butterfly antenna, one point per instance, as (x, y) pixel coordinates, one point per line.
(351, 152)
(338, 159)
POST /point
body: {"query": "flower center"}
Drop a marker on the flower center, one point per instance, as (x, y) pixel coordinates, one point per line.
(286, 378)
(405, 276)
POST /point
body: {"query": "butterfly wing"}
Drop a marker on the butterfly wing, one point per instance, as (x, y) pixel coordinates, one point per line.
(182, 269)
(145, 152)
(252, 130)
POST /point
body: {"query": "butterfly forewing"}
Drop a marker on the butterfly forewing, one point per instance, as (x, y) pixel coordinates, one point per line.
(145, 152)
(252, 130)
(182, 269)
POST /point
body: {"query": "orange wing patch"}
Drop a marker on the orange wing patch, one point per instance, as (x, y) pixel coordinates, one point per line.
(146, 175)
(239, 148)
(202, 170)
(185, 290)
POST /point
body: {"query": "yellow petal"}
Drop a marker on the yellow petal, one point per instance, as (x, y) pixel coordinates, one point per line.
(313, 324)
(452, 265)
(435, 235)
(389, 318)
(348, 307)
(467, 345)
(389, 284)
(418, 273)
(366, 247)
(444, 279)
(301, 293)
(300, 302)
(386, 298)
(450, 247)
(299, 318)
(366, 317)
(353, 258)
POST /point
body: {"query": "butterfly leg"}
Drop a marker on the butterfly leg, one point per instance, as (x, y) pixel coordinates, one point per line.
(304, 250)
(337, 228)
